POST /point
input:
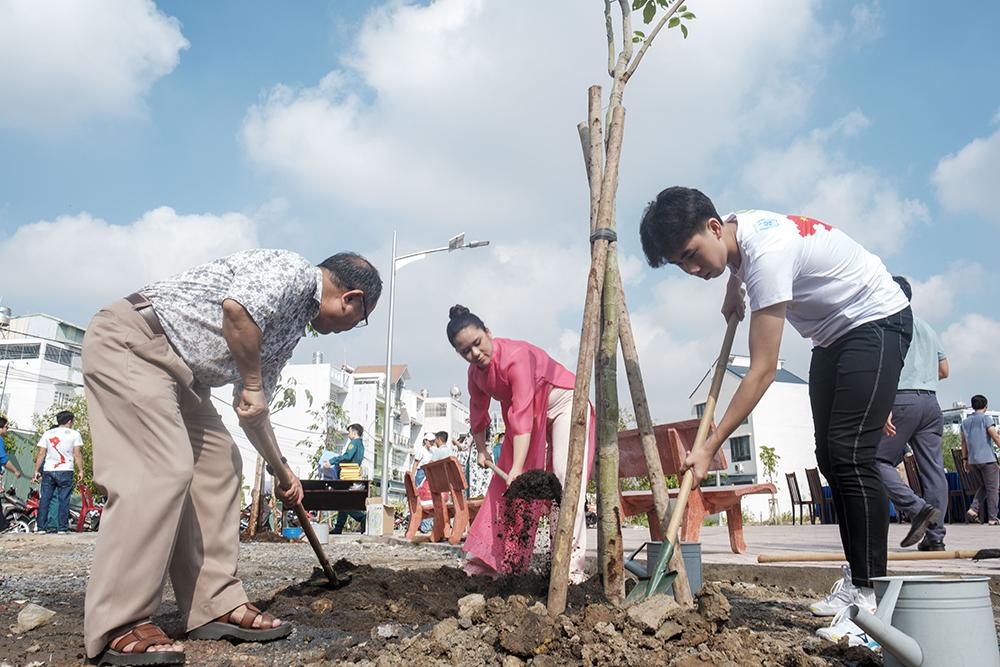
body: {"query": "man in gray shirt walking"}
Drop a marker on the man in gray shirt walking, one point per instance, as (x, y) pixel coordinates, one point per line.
(916, 420)
(979, 459)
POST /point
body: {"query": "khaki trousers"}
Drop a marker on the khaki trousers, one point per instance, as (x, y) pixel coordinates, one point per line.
(172, 476)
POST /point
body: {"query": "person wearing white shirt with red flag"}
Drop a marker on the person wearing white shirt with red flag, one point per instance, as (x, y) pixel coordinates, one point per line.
(832, 290)
(59, 449)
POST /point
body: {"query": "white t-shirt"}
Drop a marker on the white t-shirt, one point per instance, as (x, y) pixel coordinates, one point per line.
(423, 455)
(830, 282)
(58, 444)
(442, 452)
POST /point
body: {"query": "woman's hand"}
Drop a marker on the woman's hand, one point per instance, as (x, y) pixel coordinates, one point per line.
(484, 459)
(513, 474)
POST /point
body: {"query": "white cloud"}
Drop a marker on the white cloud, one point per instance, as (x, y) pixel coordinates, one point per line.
(441, 115)
(63, 61)
(811, 176)
(966, 181)
(75, 264)
(866, 21)
(934, 298)
(975, 365)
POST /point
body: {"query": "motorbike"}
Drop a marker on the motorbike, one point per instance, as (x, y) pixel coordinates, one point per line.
(15, 511)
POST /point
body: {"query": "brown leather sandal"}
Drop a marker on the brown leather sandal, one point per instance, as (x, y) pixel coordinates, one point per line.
(145, 635)
(225, 628)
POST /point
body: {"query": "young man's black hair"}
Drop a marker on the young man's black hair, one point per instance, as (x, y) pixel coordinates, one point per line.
(979, 402)
(357, 428)
(64, 417)
(670, 220)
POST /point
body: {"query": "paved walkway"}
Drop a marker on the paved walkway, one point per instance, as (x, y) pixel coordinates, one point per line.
(826, 539)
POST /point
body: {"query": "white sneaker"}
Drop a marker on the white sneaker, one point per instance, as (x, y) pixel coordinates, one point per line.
(841, 595)
(842, 627)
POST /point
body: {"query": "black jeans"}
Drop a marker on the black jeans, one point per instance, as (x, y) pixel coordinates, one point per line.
(852, 384)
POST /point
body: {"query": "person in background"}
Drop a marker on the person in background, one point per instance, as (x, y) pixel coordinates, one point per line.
(59, 449)
(979, 459)
(5, 462)
(442, 447)
(354, 453)
(916, 420)
(422, 455)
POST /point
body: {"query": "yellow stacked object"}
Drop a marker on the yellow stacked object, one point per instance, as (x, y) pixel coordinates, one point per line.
(350, 471)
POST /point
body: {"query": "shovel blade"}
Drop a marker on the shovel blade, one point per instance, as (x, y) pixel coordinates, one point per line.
(659, 572)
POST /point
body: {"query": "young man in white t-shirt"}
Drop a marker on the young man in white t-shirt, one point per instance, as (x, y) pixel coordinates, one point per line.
(59, 449)
(842, 297)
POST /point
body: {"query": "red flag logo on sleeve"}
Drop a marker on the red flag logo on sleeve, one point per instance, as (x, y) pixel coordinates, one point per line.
(808, 226)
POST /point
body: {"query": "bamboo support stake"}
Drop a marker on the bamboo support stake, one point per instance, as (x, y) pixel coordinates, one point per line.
(609, 529)
(257, 491)
(563, 545)
(657, 480)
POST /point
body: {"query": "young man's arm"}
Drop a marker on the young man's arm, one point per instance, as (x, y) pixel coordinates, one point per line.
(78, 459)
(943, 369)
(38, 464)
(9, 465)
(766, 326)
(992, 430)
(965, 452)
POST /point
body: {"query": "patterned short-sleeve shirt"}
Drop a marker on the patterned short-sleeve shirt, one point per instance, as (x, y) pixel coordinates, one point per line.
(279, 289)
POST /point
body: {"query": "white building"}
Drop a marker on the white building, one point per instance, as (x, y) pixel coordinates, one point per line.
(954, 416)
(39, 364)
(446, 413)
(782, 420)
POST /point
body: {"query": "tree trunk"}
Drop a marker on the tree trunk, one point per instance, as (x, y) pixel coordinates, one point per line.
(562, 549)
(256, 492)
(609, 531)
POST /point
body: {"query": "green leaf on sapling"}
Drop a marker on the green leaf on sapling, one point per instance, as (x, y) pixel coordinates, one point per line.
(649, 12)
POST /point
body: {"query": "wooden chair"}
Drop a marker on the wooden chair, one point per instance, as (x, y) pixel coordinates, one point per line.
(793, 491)
(966, 487)
(673, 442)
(447, 485)
(816, 493)
(419, 509)
(87, 505)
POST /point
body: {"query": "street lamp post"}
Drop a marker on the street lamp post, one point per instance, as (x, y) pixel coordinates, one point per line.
(455, 243)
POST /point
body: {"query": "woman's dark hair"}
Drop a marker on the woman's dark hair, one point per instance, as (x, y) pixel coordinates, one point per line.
(64, 417)
(671, 220)
(357, 428)
(3, 422)
(349, 270)
(904, 285)
(978, 402)
(460, 317)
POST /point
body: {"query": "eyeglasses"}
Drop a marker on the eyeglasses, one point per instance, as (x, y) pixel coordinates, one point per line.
(364, 309)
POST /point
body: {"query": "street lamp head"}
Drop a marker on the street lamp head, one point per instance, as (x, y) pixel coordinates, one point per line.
(477, 244)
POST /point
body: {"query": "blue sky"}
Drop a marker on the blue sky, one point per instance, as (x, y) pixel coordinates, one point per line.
(136, 143)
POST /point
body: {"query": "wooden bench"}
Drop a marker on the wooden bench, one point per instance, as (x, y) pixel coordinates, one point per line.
(419, 509)
(447, 486)
(674, 441)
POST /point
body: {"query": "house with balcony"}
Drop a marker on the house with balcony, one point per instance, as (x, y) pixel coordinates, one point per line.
(40, 364)
(782, 420)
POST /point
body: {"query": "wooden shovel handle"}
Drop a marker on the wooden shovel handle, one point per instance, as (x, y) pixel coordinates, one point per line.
(497, 471)
(687, 483)
(262, 437)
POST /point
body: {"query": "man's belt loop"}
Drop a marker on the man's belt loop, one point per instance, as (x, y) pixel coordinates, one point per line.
(604, 233)
(142, 306)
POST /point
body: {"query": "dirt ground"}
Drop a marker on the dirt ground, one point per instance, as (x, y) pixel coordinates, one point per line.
(407, 605)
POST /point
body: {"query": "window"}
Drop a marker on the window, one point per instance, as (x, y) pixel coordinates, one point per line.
(59, 355)
(435, 410)
(739, 448)
(61, 398)
(20, 351)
